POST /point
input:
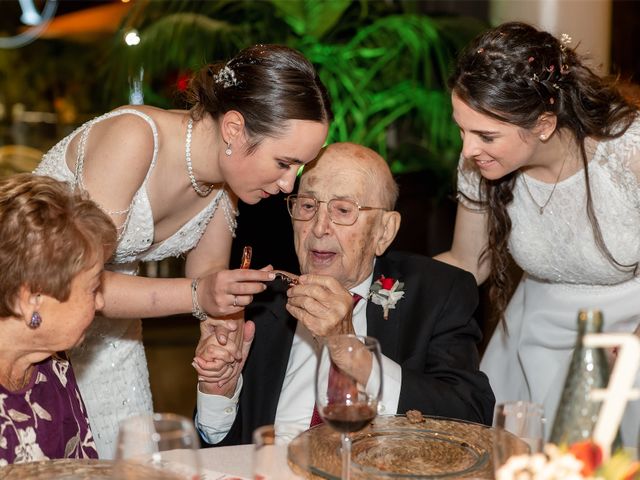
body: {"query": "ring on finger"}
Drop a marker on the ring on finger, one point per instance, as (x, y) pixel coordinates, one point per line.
(235, 301)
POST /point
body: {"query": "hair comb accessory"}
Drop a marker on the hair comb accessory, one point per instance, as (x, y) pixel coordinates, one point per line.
(226, 77)
(36, 320)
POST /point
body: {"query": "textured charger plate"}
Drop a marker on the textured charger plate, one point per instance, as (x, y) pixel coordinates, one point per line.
(392, 447)
(80, 469)
(410, 453)
(63, 468)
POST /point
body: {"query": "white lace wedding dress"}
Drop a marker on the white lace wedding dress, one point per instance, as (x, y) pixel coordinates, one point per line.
(110, 365)
(565, 271)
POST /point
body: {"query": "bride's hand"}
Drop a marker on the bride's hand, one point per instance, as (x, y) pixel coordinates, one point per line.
(229, 291)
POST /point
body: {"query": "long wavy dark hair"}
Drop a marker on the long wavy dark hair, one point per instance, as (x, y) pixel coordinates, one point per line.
(515, 73)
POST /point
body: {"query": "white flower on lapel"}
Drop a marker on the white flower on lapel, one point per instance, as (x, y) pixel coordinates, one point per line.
(386, 291)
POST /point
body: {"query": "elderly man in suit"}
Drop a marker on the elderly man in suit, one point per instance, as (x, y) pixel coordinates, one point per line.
(343, 222)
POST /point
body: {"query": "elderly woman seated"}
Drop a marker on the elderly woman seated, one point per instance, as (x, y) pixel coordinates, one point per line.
(53, 245)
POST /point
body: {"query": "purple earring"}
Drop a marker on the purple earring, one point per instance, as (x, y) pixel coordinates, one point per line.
(36, 320)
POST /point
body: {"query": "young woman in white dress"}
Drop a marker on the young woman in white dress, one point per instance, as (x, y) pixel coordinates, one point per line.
(550, 175)
(170, 180)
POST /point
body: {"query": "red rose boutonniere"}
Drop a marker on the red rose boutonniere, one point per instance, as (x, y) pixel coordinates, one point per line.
(386, 292)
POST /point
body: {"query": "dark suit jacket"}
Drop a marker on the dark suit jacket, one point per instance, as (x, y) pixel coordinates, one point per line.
(431, 333)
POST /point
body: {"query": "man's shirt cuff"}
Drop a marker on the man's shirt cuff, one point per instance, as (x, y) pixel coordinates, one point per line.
(216, 414)
(391, 383)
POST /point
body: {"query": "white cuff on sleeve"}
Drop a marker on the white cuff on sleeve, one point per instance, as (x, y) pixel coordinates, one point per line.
(216, 414)
(391, 383)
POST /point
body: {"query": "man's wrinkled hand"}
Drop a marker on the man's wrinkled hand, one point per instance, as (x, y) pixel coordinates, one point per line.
(322, 305)
(217, 367)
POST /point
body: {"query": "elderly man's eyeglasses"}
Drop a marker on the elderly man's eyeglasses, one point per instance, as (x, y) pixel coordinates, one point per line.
(341, 211)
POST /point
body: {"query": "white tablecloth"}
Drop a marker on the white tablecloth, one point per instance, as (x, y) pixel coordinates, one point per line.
(226, 463)
(232, 461)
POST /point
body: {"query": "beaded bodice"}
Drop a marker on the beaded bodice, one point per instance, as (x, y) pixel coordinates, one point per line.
(559, 245)
(136, 239)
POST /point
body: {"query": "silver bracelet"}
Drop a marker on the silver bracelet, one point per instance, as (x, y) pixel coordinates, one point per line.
(196, 311)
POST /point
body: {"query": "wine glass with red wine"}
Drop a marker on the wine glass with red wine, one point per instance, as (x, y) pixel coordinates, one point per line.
(348, 387)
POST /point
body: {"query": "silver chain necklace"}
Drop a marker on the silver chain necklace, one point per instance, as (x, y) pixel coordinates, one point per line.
(526, 185)
(187, 154)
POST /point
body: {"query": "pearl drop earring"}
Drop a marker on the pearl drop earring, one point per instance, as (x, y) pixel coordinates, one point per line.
(228, 151)
(543, 137)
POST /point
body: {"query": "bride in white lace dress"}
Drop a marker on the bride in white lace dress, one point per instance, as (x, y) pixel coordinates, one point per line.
(170, 179)
(536, 125)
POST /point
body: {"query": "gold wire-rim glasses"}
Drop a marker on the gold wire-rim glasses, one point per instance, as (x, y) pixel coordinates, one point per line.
(291, 199)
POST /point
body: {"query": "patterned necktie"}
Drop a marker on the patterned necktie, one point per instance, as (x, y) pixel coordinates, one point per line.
(334, 378)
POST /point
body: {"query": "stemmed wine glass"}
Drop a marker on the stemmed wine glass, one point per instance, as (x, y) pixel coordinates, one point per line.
(348, 387)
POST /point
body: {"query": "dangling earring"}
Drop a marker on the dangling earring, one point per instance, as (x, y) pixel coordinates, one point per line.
(36, 320)
(228, 150)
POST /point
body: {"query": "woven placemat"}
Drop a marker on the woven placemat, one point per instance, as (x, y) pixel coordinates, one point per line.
(79, 469)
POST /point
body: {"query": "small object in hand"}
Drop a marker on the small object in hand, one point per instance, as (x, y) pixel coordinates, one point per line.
(289, 278)
(246, 257)
(415, 416)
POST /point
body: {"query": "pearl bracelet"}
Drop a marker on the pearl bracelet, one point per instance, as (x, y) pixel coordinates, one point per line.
(196, 311)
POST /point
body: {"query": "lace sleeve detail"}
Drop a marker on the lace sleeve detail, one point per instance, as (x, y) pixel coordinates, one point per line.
(621, 157)
(633, 162)
(468, 185)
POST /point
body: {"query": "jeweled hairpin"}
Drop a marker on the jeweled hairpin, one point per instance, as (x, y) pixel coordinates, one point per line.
(226, 77)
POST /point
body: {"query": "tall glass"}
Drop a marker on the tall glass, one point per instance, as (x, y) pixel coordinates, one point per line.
(270, 452)
(348, 387)
(513, 424)
(160, 446)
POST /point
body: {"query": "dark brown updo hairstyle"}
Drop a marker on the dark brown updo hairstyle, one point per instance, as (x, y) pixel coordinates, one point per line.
(515, 73)
(267, 84)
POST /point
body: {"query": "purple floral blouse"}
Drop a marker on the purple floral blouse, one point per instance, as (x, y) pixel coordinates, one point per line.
(46, 419)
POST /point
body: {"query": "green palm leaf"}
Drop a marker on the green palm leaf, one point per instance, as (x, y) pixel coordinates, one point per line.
(310, 17)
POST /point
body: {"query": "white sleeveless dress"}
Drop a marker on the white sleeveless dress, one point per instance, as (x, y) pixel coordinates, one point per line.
(110, 365)
(564, 271)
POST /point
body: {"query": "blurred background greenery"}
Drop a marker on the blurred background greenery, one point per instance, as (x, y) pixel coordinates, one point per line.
(385, 64)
